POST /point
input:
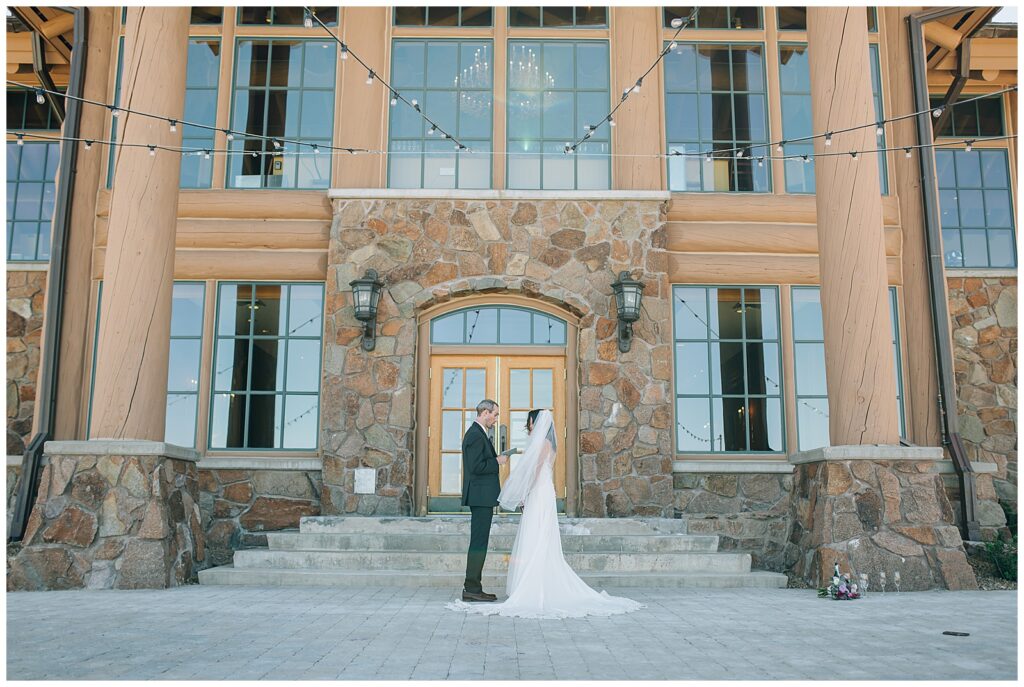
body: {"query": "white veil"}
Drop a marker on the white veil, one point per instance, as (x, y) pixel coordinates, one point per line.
(522, 479)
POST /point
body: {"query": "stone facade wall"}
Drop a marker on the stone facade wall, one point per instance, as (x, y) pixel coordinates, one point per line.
(874, 516)
(563, 252)
(12, 489)
(240, 506)
(984, 312)
(750, 513)
(25, 295)
(111, 522)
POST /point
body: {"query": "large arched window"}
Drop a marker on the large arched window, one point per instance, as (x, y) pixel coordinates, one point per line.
(493, 324)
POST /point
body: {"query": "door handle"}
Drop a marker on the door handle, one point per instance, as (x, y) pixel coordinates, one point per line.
(503, 438)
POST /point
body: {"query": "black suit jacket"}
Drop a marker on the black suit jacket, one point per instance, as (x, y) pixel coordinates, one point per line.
(480, 485)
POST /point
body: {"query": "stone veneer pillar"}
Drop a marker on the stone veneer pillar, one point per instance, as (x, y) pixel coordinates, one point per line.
(564, 248)
(876, 509)
(859, 362)
(112, 515)
(130, 396)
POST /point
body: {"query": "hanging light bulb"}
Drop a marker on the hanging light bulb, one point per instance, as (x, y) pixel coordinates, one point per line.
(316, 149)
(639, 83)
(707, 158)
(739, 153)
(307, 20)
(611, 121)
(760, 162)
(880, 129)
(906, 153)
(369, 77)
(230, 136)
(88, 145)
(969, 146)
(677, 22)
(21, 139)
(673, 45)
(173, 125)
(853, 154)
(253, 153)
(566, 149)
(343, 55)
(937, 112)
(40, 98)
(152, 151)
(778, 148)
(114, 112)
(394, 100)
(806, 159)
(431, 130)
(277, 144)
(828, 138)
(206, 154)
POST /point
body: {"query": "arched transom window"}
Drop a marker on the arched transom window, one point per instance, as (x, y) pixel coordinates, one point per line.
(493, 324)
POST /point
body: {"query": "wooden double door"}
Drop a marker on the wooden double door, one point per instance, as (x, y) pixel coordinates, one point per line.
(518, 384)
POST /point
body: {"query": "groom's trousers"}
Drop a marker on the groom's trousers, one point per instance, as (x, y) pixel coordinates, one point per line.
(479, 533)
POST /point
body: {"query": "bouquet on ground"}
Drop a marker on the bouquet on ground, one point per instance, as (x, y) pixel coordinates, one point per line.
(841, 588)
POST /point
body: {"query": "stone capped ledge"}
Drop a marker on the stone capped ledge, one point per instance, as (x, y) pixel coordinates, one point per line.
(119, 447)
(753, 467)
(258, 463)
(491, 194)
(867, 452)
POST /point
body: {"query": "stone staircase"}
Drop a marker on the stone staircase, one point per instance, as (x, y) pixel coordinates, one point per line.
(431, 552)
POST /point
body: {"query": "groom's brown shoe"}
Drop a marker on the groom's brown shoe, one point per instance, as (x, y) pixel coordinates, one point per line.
(478, 596)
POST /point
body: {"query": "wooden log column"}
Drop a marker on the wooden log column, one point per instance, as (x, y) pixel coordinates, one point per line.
(129, 399)
(855, 306)
(923, 422)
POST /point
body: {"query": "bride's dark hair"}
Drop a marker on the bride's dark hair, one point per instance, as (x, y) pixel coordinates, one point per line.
(531, 418)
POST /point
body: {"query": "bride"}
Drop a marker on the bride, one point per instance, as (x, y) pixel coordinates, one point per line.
(540, 583)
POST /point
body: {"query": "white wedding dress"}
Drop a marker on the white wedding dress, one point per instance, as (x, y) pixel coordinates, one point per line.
(540, 583)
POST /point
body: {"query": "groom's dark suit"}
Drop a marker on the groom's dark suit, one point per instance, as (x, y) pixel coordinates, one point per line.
(480, 488)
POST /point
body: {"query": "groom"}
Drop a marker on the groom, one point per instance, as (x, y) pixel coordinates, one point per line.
(480, 488)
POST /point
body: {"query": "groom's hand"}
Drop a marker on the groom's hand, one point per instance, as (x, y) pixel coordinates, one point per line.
(502, 459)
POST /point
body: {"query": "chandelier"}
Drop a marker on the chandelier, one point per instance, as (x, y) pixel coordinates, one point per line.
(475, 77)
(524, 74)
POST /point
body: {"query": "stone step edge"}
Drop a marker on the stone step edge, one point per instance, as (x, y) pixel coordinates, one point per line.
(462, 554)
(209, 575)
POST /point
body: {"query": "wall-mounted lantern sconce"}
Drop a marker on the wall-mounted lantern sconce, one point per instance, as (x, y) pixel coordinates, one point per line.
(365, 297)
(628, 294)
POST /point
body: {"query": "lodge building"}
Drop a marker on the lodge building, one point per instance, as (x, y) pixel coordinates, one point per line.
(825, 347)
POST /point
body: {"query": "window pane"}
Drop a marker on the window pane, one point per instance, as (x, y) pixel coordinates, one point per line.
(694, 425)
(301, 414)
(990, 116)
(267, 372)
(303, 365)
(1002, 251)
(692, 368)
(183, 365)
(729, 424)
(812, 423)
(807, 324)
(265, 421)
(993, 165)
(972, 208)
(763, 368)
(227, 425)
(944, 168)
(975, 247)
(765, 422)
(482, 326)
(410, 16)
(810, 369)
(968, 169)
(556, 16)
(443, 16)
(591, 16)
(515, 326)
(524, 16)
(543, 388)
(180, 420)
(448, 329)
(792, 18)
(269, 311)
(477, 16)
(476, 387)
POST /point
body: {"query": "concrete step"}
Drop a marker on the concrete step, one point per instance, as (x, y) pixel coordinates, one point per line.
(451, 562)
(503, 524)
(277, 577)
(499, 543)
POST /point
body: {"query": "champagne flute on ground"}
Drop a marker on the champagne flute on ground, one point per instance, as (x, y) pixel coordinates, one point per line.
(896, 580)
(881, 578)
